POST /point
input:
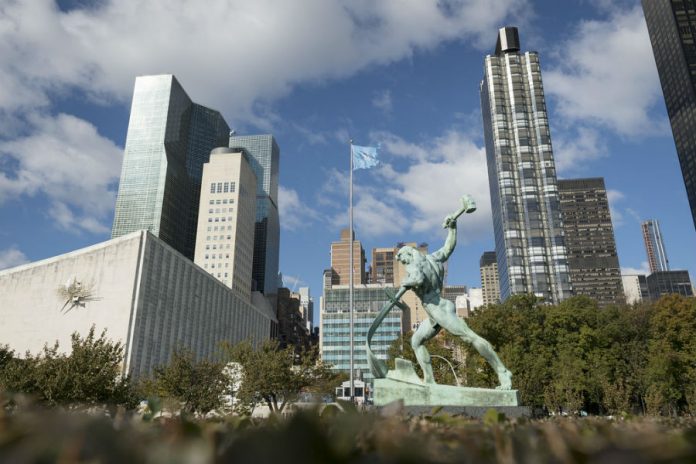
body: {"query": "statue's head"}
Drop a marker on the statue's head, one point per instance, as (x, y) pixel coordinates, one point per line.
(408, 255)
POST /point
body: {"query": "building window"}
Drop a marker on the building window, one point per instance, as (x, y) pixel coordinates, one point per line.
(226, 187)
(219, 187)
(232, 186)
(212, 188)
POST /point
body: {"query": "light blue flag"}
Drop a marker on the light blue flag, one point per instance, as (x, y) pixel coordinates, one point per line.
(364, 157)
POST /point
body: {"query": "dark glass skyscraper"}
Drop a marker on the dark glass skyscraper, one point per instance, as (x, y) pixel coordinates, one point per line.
(672, 28)
(529, 242)
(169, 139)
(264, 156)
(589, 238)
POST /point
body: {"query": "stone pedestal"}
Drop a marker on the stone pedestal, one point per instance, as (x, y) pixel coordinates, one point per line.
(403, 384)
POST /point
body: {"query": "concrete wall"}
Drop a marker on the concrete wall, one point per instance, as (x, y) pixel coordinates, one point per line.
(149, 297)
(30, 306)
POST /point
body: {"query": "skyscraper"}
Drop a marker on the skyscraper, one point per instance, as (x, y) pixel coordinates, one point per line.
(490, 286)
(589, 238)
(225, 236)
(529, 243)
(264, 157)
(654, 246)
(667, 282)
(340, 260)
(169, 139)
(672, 29)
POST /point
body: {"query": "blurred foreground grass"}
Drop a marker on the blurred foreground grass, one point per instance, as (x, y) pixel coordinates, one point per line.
(33, 434)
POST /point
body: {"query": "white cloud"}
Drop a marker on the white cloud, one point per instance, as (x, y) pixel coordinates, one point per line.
(292, 282)
(573, 149)
(294, 214)
(605, 75)
(643, 269)
(11, 257)
(66, 159)
(415, 191)
(264, 47)
(383, 101)
(617, 216)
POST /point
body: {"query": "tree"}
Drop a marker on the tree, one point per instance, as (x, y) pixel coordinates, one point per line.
(90, 374)
(199, 386)
(272, 375)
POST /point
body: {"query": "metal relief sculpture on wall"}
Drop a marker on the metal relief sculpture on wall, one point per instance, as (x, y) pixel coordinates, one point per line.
(75, 294)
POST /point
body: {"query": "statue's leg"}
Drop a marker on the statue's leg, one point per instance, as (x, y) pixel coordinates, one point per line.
(426, 330)
(458, 327)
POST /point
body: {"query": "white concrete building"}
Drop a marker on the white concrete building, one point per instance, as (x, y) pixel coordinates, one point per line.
(635, 288)
(146, 294)
(226, 218)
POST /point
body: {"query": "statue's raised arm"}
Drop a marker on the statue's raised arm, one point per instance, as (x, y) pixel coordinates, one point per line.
(450, 222)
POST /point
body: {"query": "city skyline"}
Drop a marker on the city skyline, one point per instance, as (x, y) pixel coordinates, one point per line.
(416, 93)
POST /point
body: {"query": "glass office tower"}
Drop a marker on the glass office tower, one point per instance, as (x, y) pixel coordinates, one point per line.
(672, 28)
(169, 139)
(264, 156)
(529, 241)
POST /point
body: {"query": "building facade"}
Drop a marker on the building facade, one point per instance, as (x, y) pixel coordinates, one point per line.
(589, 238)
(146, 294)
(382, 266)
(635, 288)
(667, 282)
(340, 260)
(264, 156)
(530, 248)
(490, 285)
(654, 246)
(307, 307)
(226, 218)
(169, 139)
(368, 299)
(672, 29)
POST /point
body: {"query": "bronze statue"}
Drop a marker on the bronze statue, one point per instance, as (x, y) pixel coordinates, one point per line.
(425, 276)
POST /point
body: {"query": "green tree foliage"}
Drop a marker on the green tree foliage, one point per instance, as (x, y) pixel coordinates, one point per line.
(576, 356)
(443, 346)
(197, 386)
(90, 374)
(276, 376)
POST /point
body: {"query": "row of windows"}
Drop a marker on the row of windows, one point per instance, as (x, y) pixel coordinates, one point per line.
(222, 187)
(220, 210)
(217, 219)
(223, 201)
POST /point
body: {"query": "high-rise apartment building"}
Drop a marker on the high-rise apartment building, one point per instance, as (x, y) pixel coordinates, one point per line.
(307, 307)
(169, 139)
(340, 260)
(382, 268)
(529, 243)
(589, 238)
(226, 217)
(654, 246)
(264, 156)
(672, 29)
(490, 286)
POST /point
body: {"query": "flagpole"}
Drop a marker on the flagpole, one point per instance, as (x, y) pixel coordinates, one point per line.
(350, 279)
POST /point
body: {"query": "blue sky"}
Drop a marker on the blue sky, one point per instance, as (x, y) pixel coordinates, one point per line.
(315, 73)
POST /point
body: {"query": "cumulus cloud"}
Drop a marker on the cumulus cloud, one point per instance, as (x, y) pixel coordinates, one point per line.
(66, 159)
(605, 75)
(642, 269)
(101, 48)
(294, 214)
(383, 101)
(11, 257)
(416, 186)
(574, 148)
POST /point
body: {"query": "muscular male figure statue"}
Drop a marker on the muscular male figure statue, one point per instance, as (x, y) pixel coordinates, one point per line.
(425, 275)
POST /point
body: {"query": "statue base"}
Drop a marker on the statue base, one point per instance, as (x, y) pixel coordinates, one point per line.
(403, 383)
